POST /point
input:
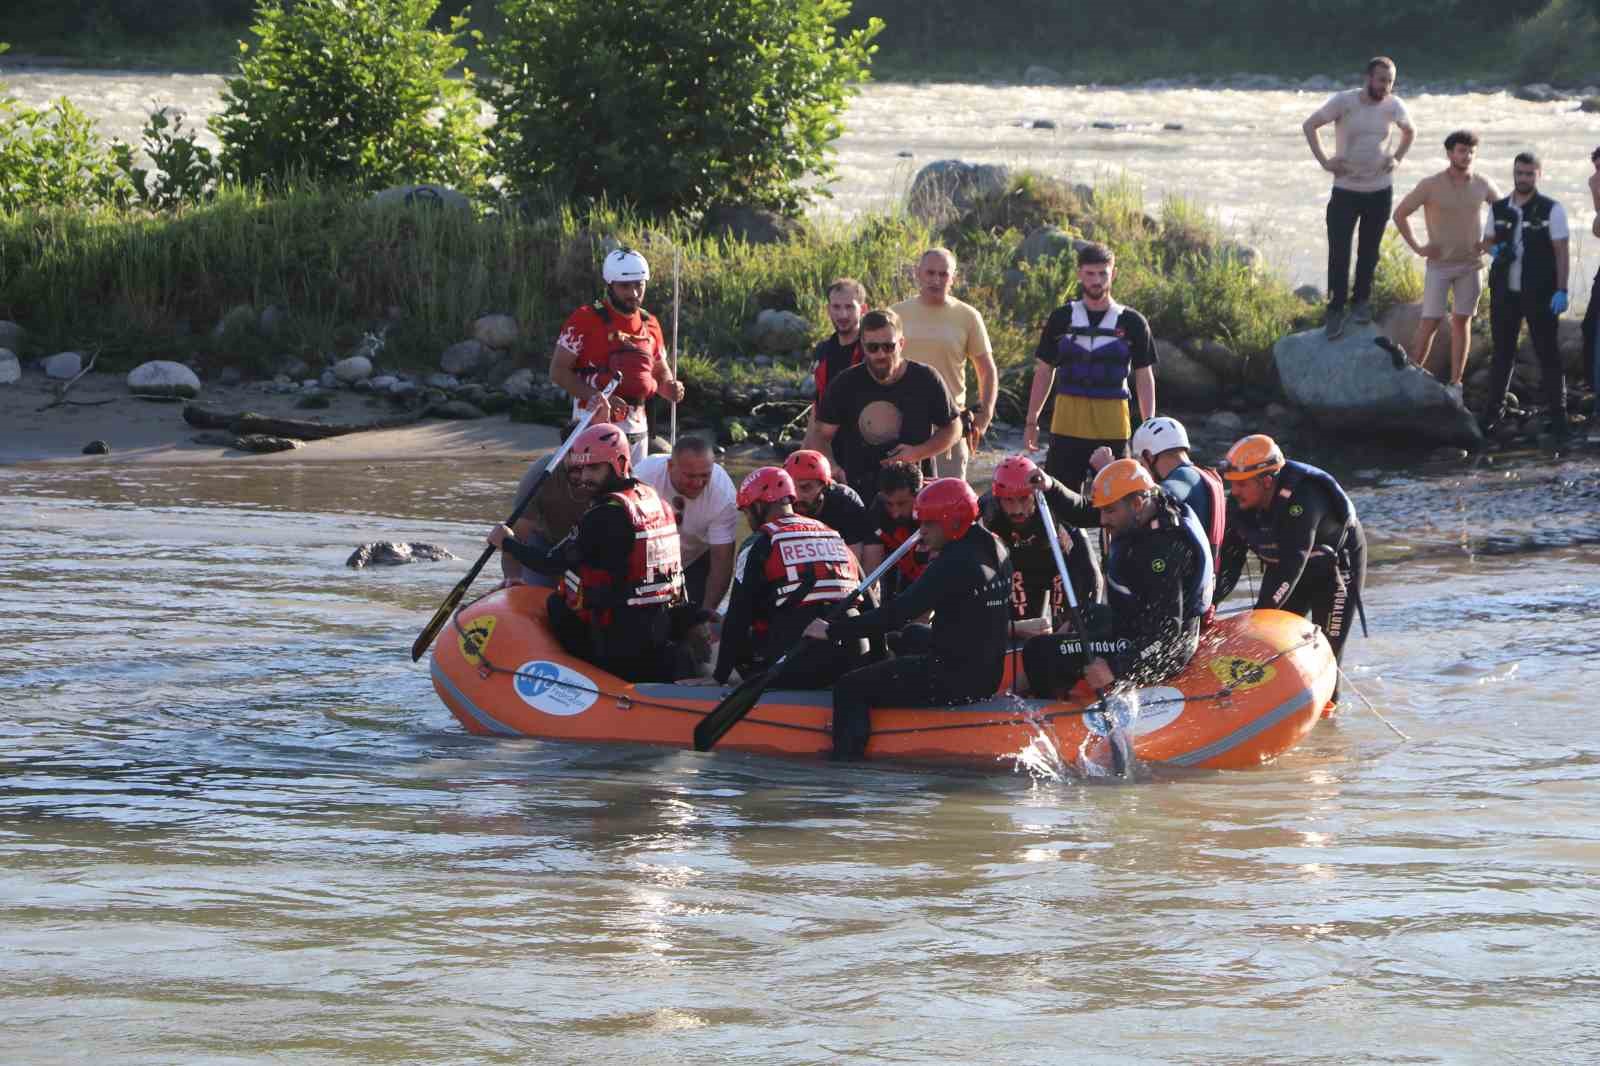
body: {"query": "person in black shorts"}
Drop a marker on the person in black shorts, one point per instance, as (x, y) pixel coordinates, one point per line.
(887, 409)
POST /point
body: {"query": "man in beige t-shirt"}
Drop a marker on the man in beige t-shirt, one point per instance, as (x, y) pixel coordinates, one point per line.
(943, 334)
(1363, 162)
(1452, 203)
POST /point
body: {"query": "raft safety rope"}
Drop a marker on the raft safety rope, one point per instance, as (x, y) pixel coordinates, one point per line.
(1246, 678)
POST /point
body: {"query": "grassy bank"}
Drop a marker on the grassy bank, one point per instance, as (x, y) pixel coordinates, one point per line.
(138, 287)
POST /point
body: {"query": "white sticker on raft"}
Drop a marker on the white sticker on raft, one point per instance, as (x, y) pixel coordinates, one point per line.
(1159, 707)
(554, 689)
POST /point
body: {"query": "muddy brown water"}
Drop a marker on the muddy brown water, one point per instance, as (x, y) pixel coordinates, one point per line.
(236, 825)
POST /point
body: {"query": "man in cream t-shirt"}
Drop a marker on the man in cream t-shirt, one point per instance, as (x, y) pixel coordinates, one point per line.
(1362, 166)
(1452, 203)
(943, 334)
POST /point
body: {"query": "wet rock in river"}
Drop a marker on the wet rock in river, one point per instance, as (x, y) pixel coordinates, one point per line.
(395, 553)
(263, 443)
(97, 447)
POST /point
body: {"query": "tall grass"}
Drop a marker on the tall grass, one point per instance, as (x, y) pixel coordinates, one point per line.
(142, 287)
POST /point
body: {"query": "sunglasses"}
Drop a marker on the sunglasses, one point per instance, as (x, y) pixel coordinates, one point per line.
(879, 346)
(677, 507)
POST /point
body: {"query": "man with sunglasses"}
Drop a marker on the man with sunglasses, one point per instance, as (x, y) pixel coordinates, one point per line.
(885, 410)
(1302, 526)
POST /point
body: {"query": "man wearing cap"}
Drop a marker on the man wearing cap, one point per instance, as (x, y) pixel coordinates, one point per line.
(791, 570)
(621, 571)
(967, 586)
(615, 334)
(1302, 526)
(1158, 589)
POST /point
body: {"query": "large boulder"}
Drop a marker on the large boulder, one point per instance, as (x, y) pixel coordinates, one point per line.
(753, 225)
(519, 384)
(11, 336)
(396, 553)
(1183, 381)
(1047, 242)
(466, 357)
(10, 367)
(1352, 384)
(1399, 323)
(778, 332)
(495, 331)
(165, 379)
(421, 197)
(945, 189)
(352, 369)
(1215, 357)
(63, 366)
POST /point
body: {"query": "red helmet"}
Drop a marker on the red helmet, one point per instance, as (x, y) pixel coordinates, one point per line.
(604, 443)
(950, 502)
(767, 484)
(1015, 478)
(808, 465)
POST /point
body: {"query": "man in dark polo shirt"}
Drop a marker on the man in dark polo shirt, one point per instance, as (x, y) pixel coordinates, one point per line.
(885, 410)
(847, 302)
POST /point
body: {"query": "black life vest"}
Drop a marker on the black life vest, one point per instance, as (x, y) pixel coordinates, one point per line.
(1538, 277)
(654, 577)
(1199, 585)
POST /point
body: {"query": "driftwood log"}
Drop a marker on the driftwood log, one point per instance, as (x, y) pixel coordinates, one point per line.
(244, 423)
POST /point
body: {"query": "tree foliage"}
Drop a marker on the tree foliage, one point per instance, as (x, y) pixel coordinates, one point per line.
(357, 92)
(670, 105)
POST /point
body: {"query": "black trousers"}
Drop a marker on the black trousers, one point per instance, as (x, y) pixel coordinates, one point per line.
(1346, 210)
(1068, 459)
(1591, 335)
(1332, 595)
(904, 681)
(1507, 310)
(640, 652)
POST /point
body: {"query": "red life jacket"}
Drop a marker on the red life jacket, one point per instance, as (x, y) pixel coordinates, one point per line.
(1219, 515)
(913, 562)
(626, 353)
(805, 548)
(655, 569)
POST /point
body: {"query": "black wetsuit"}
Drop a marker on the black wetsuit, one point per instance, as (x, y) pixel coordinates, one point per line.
(1158, 587)
(967, 586)
(1311, 544)
(1034, 580)
(842, 511)
(635, 645)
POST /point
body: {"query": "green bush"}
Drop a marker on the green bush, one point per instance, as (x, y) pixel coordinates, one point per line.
(673, 105)
(185, 171)
(355, 92)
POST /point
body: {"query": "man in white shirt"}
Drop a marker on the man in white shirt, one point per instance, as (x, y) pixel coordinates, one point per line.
(1528, 234)
(702, 497)
(1362, 166)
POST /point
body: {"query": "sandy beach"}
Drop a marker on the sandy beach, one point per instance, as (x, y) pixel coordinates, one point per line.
(148, 431)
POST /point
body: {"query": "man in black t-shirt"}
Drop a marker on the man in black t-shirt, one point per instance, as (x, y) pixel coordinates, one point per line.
(884, 410)
(1090, 350)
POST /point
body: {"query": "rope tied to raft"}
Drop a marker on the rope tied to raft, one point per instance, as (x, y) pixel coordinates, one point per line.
(1250, 675)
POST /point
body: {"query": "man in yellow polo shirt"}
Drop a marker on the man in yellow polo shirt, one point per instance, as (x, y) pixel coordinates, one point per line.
(1090, 349)
(944, 334)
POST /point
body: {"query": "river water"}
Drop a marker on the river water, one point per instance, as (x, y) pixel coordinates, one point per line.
(236, 826)
(1240, 153)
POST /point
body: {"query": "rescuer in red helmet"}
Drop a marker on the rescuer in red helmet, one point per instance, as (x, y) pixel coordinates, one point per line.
(620, 567)
(1011, 512)
(967, 586)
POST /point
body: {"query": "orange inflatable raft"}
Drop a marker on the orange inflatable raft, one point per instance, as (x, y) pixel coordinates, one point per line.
(1254, 690)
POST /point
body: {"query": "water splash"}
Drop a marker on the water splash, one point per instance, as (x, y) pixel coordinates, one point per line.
(1040, 757)
(1115, 723)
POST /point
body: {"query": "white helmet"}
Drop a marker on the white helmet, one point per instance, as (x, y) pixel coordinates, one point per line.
(1157, 435)
(624, 265)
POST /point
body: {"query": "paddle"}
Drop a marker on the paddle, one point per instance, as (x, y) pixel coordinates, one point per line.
(674, 343)
(1121, 747)
(736, 704)
(447, 608)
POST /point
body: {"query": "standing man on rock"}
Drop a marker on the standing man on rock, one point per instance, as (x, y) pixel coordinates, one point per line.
(1451, 201)
(1591, 315)
(945, 334)
(616, 333)
(1527, 233)
(1362, 166)
(887, 409)
(1090, 349)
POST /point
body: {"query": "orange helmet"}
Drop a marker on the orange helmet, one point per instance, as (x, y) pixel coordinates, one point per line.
(950, 502)
(766, 484)
(1251, 457)
(604, 443)
(808, 465)
(1015, 478)
(1122, 477)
